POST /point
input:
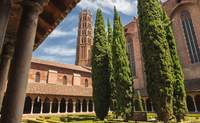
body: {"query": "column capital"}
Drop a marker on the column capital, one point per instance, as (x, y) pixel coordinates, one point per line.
(35, 5)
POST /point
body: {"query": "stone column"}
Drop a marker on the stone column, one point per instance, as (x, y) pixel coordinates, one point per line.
(50, 109)
(152, 107)
(74, 107)
(195, 106)
(41, 107)
(81, 106)
(32, 105)
(5, 7)
(66, 106)
(93, 107)
(4, 68)
(58, 106)
(12, 109)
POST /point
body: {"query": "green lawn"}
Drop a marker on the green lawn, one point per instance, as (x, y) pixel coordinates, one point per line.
(90, 118)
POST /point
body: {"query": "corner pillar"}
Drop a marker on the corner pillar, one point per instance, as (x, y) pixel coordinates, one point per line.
(12, 109)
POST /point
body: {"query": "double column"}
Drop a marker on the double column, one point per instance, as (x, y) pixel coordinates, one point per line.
(5, 7)
(13, 104)
(7, 54)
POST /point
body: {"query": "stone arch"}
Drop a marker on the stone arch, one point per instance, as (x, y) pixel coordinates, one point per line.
(27, 105)
(37, 77)
(78, 105)
(197, 101)
(70, 105)
(62, 105)
(55, 105)
(149, 106)
(46, 105)
(37, 105)
(84, 106)
(190, 104)
(179, 6)
(90, 106)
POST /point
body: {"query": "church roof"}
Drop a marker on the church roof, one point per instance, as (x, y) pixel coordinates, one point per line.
(61, 65)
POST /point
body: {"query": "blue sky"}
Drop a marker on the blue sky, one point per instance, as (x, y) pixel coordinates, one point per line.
(60, 45)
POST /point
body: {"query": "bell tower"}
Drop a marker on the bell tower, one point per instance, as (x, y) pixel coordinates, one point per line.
(84, 39)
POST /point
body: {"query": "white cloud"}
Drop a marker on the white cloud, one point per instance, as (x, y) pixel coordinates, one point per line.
(59, 51)
(61, 33)
(127, 7)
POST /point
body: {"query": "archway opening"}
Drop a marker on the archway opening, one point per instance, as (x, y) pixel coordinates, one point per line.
(62, 105)
(149, 106)
(70, 106)
(84, 106)
(37, 105)
(197, 101)
(78, 105)
(27, 105)
(46, 105)
(55, 106)
(90, 106)
(190, 104)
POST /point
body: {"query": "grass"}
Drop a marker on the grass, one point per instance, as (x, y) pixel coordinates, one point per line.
(91, 118)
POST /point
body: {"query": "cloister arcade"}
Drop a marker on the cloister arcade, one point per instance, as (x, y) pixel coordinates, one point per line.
(49, 105)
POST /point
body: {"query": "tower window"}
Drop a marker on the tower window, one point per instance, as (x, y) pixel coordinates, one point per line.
(86, 83)
(64, 80)
(37, 77)
(190, 37)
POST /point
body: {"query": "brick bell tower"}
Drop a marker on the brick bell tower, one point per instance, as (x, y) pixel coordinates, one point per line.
(84, 39)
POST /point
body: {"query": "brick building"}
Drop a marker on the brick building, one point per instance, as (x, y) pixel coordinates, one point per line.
(63, 88)
(184, 15)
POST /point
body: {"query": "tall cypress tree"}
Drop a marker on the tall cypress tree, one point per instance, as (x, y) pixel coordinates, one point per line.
(110, 42)
(121, 71)
(100, 68)
(157, 58)
(179, 102)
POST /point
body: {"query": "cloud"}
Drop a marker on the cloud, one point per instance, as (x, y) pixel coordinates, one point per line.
(127, 7)
(59, 51)
(63, 33)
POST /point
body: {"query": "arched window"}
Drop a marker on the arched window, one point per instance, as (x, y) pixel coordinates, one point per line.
(64, 80)
(190, 37)
(37, 77)
(86, 83)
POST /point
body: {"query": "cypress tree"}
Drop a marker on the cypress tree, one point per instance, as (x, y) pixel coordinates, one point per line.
(100, 68)
(157, 58)
(110, 41)
(121, 71)
(179, 102)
